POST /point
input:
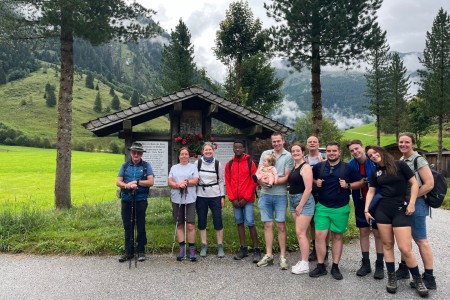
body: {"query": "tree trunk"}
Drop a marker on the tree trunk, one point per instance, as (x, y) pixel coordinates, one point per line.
(64, 130)
(316, 91)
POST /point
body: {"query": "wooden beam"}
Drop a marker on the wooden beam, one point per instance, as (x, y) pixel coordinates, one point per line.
(177, 108)
(213, 110)
(252, 130)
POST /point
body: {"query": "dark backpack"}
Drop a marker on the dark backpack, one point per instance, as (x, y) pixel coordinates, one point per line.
(435, 197)
(249, 166)
(216, 167)
(315, 188)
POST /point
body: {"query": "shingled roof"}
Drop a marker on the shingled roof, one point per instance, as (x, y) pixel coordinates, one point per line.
(193, 98)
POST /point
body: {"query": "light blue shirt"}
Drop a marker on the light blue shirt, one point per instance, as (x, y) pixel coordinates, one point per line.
(283, 163)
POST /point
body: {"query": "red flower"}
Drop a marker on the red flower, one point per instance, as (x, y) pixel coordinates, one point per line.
(200, 136)
(178, 138)
(212, 138)
(184, 142)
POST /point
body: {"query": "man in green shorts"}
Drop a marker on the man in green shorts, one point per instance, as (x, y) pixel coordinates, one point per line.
(335, 180)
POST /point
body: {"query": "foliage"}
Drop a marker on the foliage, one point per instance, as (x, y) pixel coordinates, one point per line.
(115, 103)
(418, 120)
(304, 129)
(435, 78)
(240, 36)
(194, 142)
(90, 81)
(98, 103)
(377, 77)
(318, 33)
(135, 99)
(178, 68)
(50, 98)
(395, 112)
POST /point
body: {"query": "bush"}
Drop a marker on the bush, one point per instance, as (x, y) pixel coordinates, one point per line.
(17, 74)
(114, 148)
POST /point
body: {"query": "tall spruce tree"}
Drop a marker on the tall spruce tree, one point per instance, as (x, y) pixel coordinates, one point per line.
(239, 36)
(50, 98)
(177, 62)
(89, 81)
(134, 101)
(95, 21)
(435, 78)
(115, 103)
(377, 77)
(317, 33)
(398, 85)
(98, 103)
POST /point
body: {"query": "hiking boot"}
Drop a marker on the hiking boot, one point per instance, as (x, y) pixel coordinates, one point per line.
(420, 286)
(428, 280)
(203, 250)
(379, 270)
(125, 257)
(283, 263)
(318, 271)
(265, 261)
(336, 273)
(313, 255)
(220, 252)
(192, 256)
(182, 254)
(391, 286)
(365, 268)
(301, 267)
(256, 255)
(141, 256)
(402, 271)
(243, 252)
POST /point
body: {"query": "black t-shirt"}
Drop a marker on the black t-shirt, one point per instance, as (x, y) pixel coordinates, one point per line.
(392, 188)
(331, 194)
(295, 180)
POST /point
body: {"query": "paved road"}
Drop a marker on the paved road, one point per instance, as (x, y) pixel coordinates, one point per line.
(161, 277)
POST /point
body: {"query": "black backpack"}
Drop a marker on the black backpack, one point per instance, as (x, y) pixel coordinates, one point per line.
(249, 166)
(435, 197)
(216, 167)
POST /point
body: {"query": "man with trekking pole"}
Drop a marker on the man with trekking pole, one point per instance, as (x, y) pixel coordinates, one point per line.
(134, 180)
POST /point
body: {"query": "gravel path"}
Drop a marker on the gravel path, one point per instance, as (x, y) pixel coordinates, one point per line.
(161, 277)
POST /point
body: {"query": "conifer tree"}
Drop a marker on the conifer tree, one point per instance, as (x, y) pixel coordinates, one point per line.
(98, 103)
(318, 33)
(435, 78)
(50, 99)
(89, 81)
(112, 92)
(115, 103)
(134, 101)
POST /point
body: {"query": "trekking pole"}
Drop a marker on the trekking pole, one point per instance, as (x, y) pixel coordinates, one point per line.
(176, 222)
(185, 223)
(133, 227)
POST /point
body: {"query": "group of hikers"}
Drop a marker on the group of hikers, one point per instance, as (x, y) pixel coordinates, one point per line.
(388, 197)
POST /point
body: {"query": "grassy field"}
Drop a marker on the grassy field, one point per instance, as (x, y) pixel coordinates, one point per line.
(30, 224)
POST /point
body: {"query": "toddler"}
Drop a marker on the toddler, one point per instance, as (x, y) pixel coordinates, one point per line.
(267, 171)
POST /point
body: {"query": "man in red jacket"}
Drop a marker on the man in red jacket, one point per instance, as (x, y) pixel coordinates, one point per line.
(241, 192)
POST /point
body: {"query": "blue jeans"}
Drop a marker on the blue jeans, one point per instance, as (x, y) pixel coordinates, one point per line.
(128, 221)
(270, 204)
(245, 214)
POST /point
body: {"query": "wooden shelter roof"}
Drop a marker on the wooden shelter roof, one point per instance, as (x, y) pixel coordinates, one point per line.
(191, 98)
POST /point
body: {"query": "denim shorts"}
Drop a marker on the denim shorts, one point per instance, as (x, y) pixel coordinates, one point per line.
(245, 214)
(418, 219)
(308, 208)
(270, 204)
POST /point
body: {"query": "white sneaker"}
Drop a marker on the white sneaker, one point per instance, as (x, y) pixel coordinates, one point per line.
(283, 263)
(301, 267)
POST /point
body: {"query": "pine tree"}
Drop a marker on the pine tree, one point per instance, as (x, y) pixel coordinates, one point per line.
(2, 76)
(177, 62)
(396, 118)
(435, 78)
(115, 103)
(112, 92)
(134, 99)
(377, 77)
(319, 33)
(89, 81)
(50, 99)
(98, 103)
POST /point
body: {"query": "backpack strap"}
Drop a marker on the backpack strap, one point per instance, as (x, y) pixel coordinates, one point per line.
(342, 170)
(322, 169)
(216, 170)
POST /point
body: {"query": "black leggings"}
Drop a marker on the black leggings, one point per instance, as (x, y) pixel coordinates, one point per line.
(391, 213)
(128, 226)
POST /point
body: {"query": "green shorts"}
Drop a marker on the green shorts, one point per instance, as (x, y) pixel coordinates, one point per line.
(335, 219)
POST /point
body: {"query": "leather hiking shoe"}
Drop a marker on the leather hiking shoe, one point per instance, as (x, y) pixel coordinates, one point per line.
(420, 286)
(379, 270)
(203, 250)
(365, 268)
(283, 263)
(392, 285)
(402, 271)
(256, 255)
(312, 256)
(428, 280)
(265, 261)
(141, 256)
(125, 257)
(318, 271)
(243, 252)
(336, 273)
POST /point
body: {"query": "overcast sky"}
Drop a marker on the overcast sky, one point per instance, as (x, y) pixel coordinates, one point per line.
(406, 23)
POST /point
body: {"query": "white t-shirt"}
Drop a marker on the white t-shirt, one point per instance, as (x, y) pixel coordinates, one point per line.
(181, 172)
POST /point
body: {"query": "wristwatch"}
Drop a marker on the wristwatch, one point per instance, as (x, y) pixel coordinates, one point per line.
(348, 186)
(137, 183)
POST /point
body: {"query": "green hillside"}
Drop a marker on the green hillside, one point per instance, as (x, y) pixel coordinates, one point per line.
(22, 107)
(368, 135)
